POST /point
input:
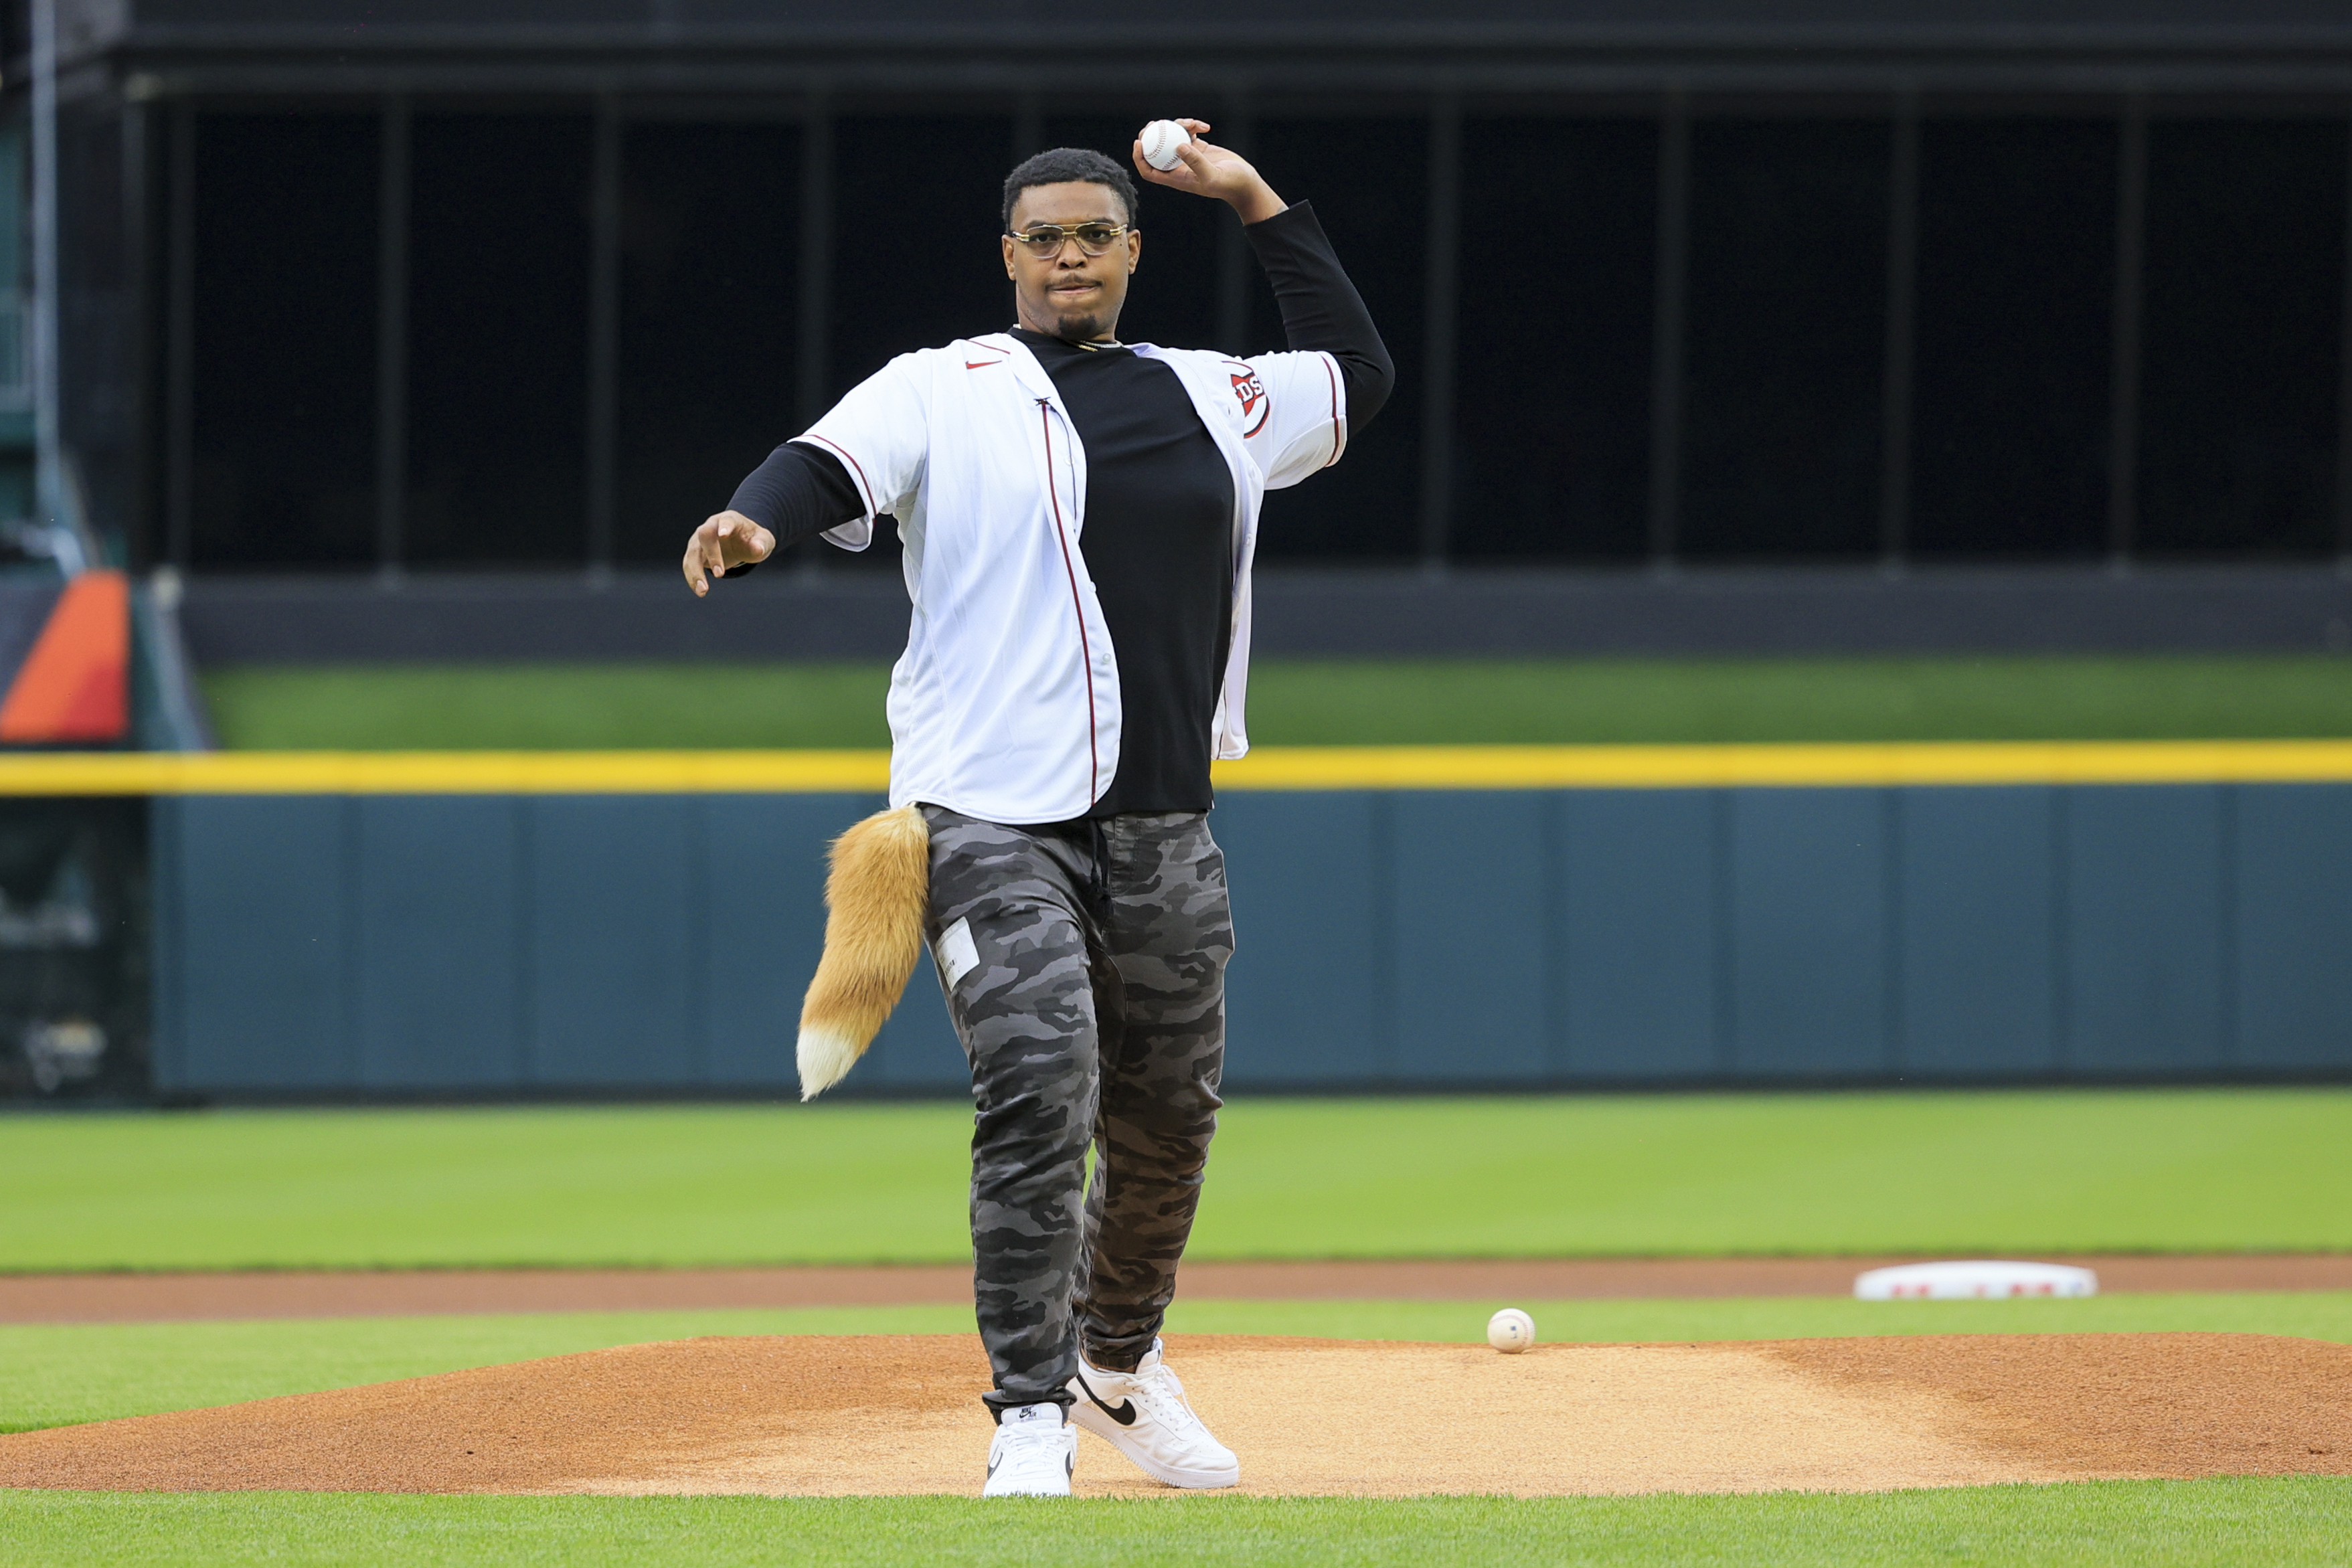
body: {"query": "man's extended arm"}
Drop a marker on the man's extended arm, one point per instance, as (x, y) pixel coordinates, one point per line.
(799, 490)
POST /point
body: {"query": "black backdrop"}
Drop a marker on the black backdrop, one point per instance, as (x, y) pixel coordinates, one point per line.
(1784, 299)
(395, 285)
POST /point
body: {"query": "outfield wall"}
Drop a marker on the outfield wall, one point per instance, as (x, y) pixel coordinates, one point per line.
(1560, 916)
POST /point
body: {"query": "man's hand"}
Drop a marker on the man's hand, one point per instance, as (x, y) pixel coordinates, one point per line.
(731, 538)
(1218, 171)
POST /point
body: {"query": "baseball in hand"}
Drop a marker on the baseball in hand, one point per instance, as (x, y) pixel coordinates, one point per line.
(1510, 1331)
(1160, 140)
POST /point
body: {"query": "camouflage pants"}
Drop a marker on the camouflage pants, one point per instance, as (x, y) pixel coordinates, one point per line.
(1084, 966)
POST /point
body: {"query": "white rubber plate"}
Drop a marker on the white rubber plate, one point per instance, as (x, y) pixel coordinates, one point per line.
(1974, 1281)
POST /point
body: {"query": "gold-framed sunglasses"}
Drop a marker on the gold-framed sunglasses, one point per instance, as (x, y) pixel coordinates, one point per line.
(1046, 239)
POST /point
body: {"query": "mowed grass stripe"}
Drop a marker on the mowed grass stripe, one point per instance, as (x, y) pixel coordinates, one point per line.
(2283, 1522)
(2157, 1170)
(59, 1375)
(690, 704)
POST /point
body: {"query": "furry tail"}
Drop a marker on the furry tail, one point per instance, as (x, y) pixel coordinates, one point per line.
(878, 894)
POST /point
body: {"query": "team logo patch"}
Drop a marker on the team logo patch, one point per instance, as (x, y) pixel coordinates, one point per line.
(1251, 391)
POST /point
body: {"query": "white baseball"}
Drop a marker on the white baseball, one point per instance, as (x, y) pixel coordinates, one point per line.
(1160, 140)
(1510, 1331)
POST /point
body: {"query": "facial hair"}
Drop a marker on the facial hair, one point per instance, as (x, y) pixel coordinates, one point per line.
(1073, 329)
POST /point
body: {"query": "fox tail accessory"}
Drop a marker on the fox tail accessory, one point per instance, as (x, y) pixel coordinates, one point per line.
(876, 897)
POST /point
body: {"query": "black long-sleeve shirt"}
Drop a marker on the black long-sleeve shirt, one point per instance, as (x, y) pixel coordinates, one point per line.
(1158, 509)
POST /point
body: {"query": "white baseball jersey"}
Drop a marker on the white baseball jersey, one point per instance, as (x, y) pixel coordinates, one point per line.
(1005, 705)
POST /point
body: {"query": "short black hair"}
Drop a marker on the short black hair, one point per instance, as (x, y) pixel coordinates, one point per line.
(1061, 166)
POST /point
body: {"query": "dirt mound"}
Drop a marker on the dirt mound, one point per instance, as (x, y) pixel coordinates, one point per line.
(810, 1415)
(2144, 1404)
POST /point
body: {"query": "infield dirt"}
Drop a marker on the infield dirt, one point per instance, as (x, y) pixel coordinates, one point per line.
(811, 1414)
(298, 1293)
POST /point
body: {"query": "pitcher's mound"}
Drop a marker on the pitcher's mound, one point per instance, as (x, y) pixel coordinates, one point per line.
(812, 1415)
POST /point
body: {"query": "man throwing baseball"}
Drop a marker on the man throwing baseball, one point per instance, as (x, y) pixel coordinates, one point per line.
(1079, 517)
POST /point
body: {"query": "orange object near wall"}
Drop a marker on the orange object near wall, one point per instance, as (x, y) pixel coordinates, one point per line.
(76, 682)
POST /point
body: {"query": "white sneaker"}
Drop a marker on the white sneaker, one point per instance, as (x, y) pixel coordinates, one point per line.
(1145, 1415)
(1033, 1453)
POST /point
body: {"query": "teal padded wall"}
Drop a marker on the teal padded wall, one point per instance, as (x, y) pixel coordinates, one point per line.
(1384, 940)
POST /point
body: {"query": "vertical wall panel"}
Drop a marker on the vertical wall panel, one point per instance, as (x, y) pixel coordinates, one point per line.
(1306, 992)
(167, 936)
(1636, 940)
(263, 941)
(763, 867)
(917, 1049)
(1553, 407)
(437, 955)
(616, 931)
(2144, 941)
(2244, 298)
(2293, 938)
(709, 264)
(1809, 931)
(1380, 229)
(499, 339)
(2017, 277)
(283, 360)
(1787, 335)
(1468, 908)
(949, 167)
(1977, 931)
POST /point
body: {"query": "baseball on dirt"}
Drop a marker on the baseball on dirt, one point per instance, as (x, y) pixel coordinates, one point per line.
(1510, 1331)
(1160, 140)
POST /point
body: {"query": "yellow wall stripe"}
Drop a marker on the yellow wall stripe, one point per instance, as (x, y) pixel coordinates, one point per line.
(1269, 768)
(444, 772)
(1669, 767)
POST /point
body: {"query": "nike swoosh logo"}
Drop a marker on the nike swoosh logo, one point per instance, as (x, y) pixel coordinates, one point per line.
(981, 364)
(1124, 1415)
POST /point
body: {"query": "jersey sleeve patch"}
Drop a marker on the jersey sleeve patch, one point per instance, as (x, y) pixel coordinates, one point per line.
(1249, 390)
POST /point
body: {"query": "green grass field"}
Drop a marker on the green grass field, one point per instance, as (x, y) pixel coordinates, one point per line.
(2285, 1524)
(2054, 1171)
(1318, 704)
(2155, 1170)
(55, 1374)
